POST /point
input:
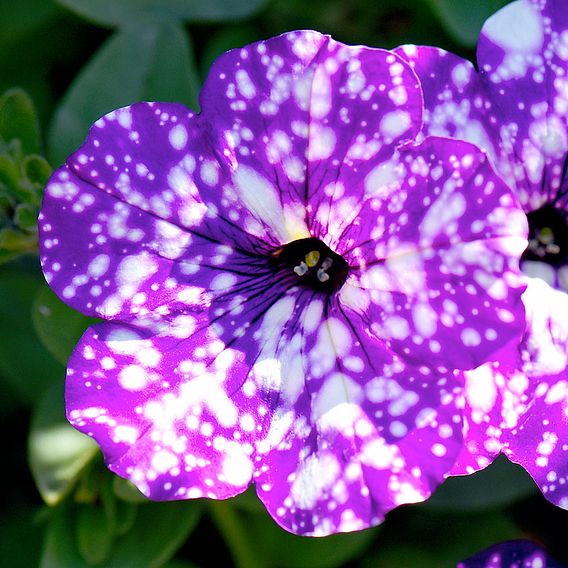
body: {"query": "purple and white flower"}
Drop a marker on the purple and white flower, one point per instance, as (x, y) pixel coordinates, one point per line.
(288, 284)
(511, 554)
(516, 109)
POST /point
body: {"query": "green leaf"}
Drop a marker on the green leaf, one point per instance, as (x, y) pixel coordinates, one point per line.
(14, 241)
(424, 539)
(282, 549)
(36, 169)
(179, 564)
(121, 12)
(25, 364)
(151, 61)
(463, 19)
(120, 514)
(497, 486)
(58, 326)
(25, 217)
(94, 539)
(24, 18)
(57, 452)
(18, 120)
(60, 547)
(158, 531)
(127, 491)
(125, 515)
(10, 178)
(19, 525)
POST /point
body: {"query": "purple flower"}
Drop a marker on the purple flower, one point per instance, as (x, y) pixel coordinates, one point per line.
(288, 283)
(516, 109)
(511, 554)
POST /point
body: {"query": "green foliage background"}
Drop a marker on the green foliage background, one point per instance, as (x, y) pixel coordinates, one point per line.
(64, 63)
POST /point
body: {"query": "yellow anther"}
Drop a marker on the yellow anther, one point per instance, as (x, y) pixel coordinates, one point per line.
(546, 236)
(312, 258)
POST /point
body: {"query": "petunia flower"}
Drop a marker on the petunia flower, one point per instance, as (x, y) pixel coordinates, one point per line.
(516, 109)
(288, 284)
(511, 554)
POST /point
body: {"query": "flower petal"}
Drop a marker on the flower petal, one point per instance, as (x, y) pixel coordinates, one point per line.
(518, 405)
(515, 107)
(159, 157)
(170, 406)
(456, 103)
(511, 554)
(523, 49)
(123, 261)
(435, 267)
(301, 95)
(366, 433)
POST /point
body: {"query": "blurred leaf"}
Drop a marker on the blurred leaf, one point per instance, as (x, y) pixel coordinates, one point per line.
(20, 526)
(57, 452)
(152, 61)
(249, 502)
(119, 513)
(179, 564)
(10, 177)
(36, 169)
(463, 19)
(24, 362)
(60, 548)
(428, 539)
(12, 240)
(23, 18)
(25, 217)
(497, 486)
(229, 37)
(127, 491)
(285, 550)
(158, 531)
(125, 515)
(94, 538)
(18, 120)
(121, 12)
(156, 534)
(58, 326)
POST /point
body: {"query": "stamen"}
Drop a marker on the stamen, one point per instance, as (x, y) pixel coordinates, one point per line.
(312, 258)
(322, 275)
(317, 266)
(301, 269)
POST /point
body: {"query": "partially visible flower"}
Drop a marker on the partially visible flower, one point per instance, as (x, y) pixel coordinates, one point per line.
(511, 554)
(516, 109)
(288, 284)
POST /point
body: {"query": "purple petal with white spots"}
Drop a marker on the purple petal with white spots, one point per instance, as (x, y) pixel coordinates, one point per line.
(515, 109)
(366, 434)
(511, 554)
(234, 255)
(518, 405)
(169, 406)
(436, 270)
(273, 104)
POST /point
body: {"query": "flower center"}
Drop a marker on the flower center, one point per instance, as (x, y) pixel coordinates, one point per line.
(548, 236)
(546, 257)
(313, 264)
